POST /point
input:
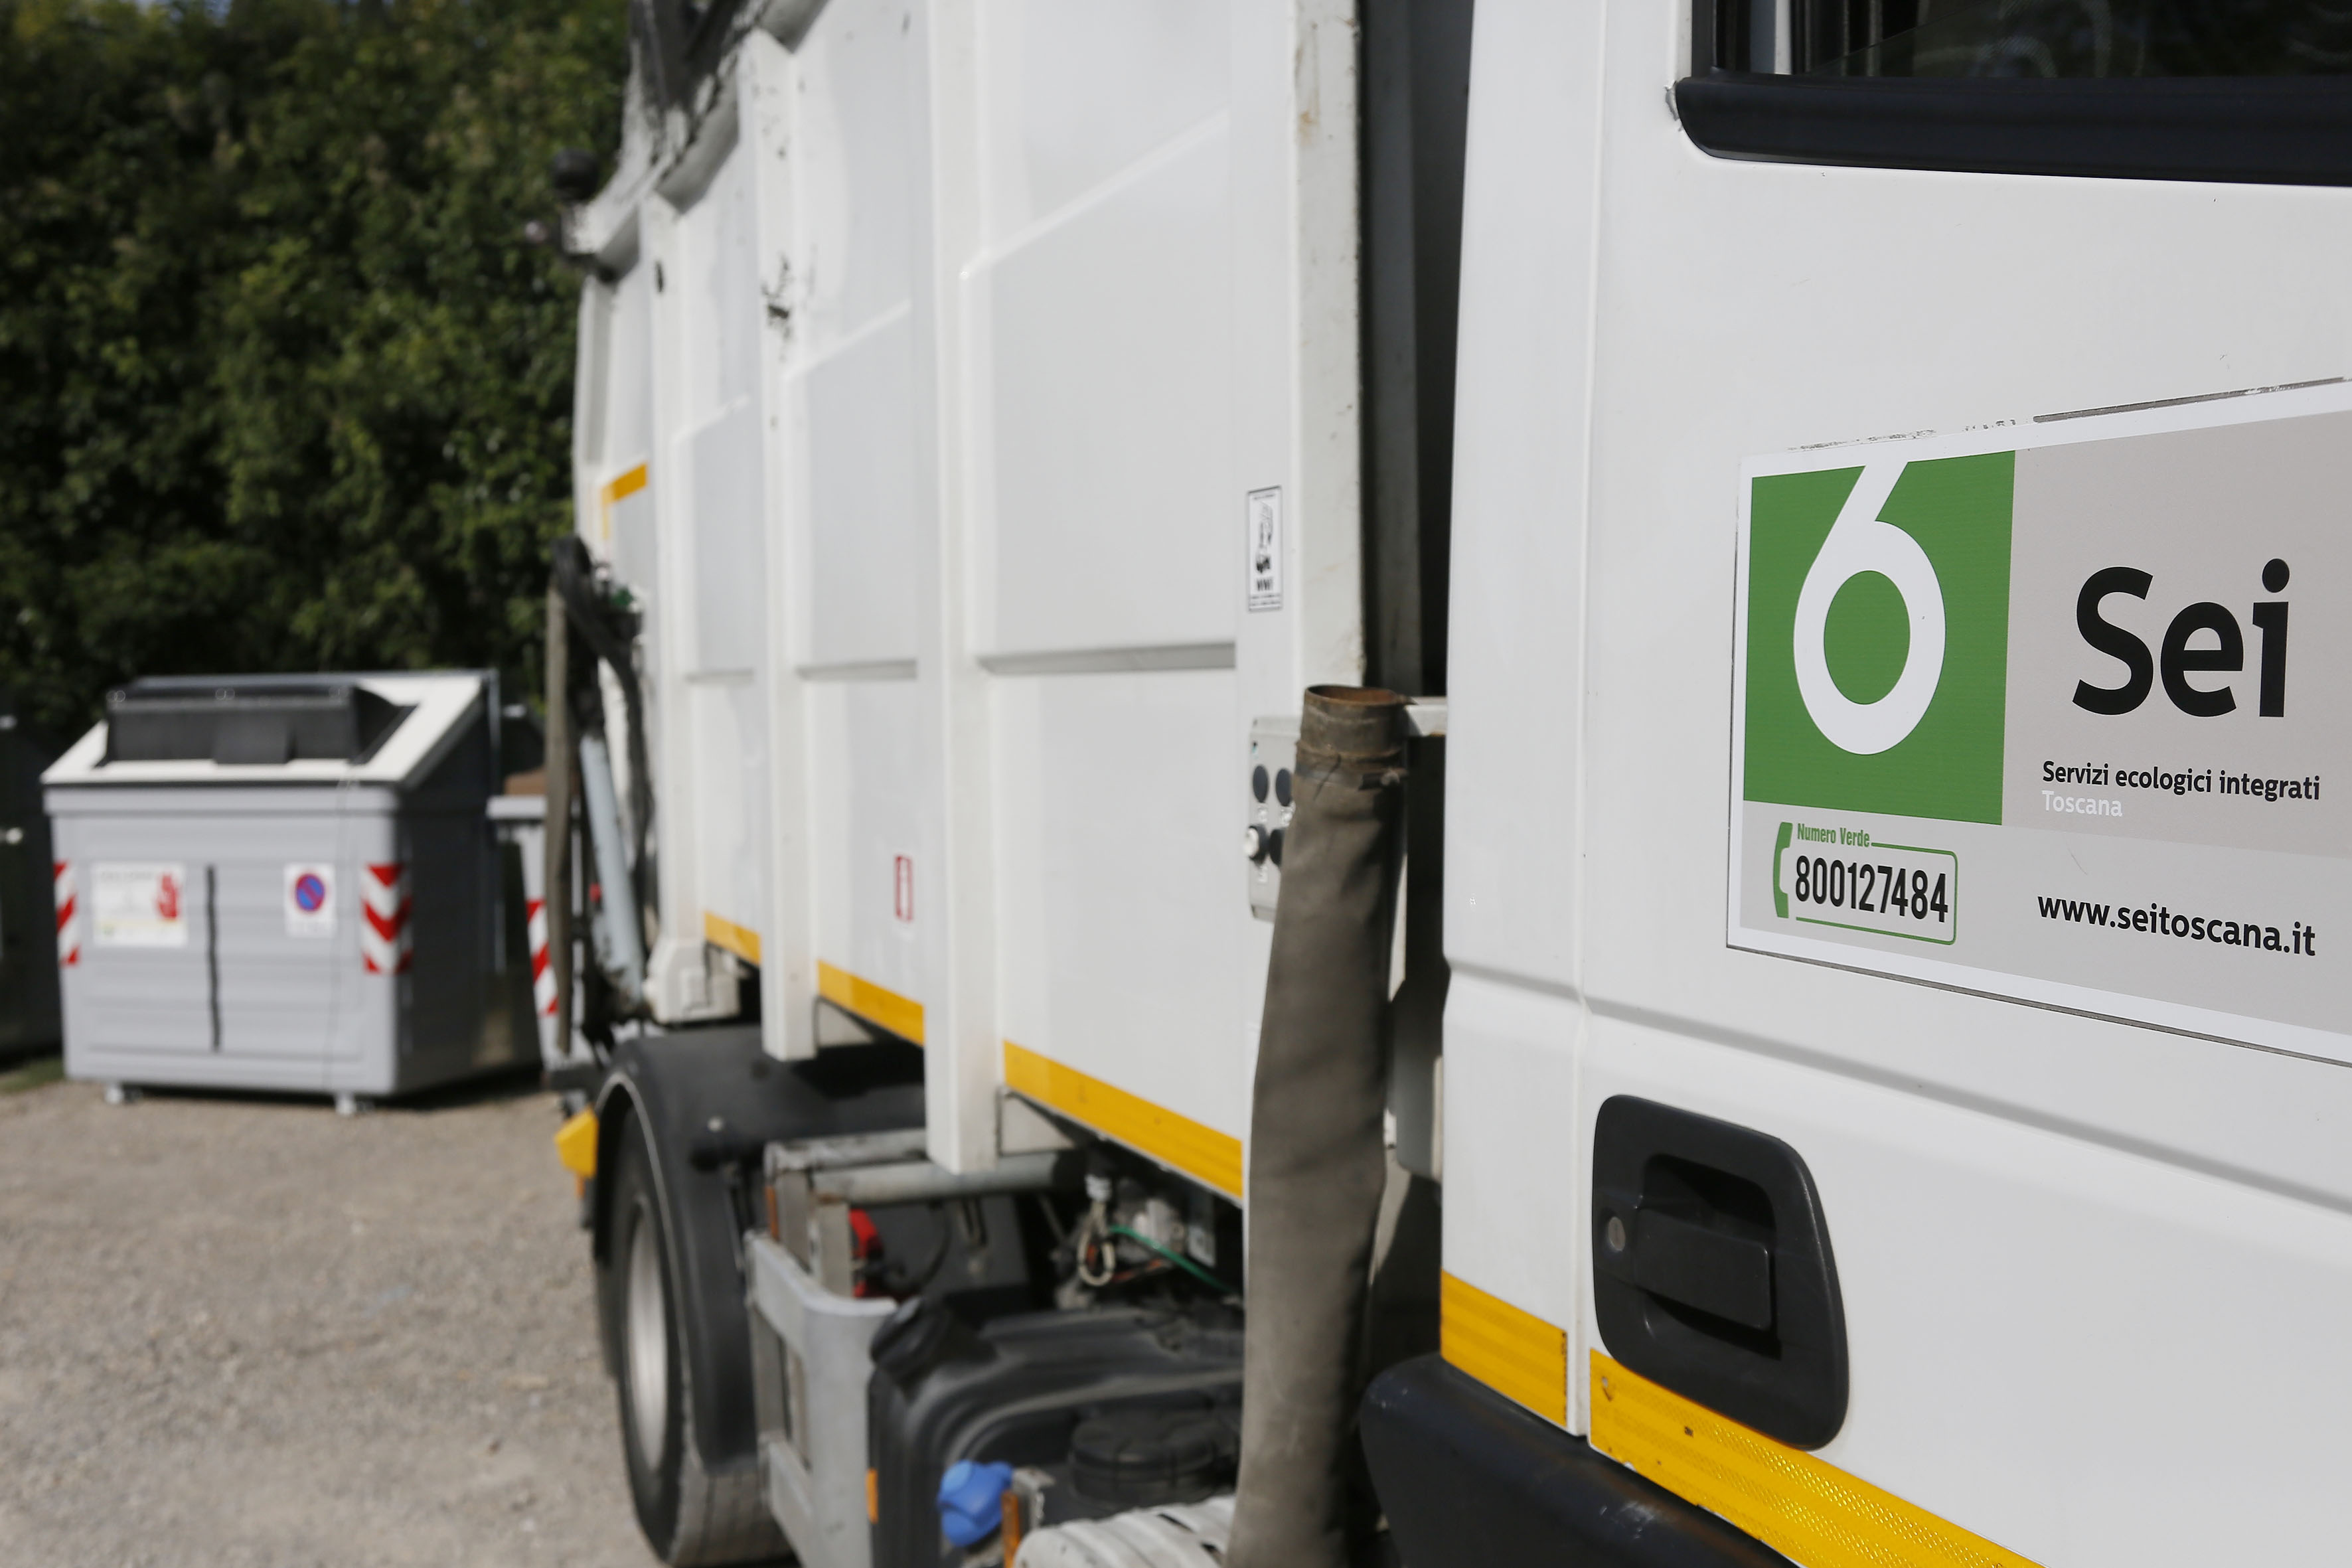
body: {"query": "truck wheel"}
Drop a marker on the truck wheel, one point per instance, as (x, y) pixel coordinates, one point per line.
(691, 1517)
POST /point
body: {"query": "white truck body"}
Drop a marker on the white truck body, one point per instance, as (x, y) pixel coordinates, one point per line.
(971, 344)
(952, 371)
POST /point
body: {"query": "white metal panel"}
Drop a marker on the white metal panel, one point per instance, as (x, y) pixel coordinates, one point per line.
(872, 799)
(718, 279)
(960, 1079)
(859, 482)
(1119, 893)
(1845, 302)
(729, 790)
(1106, 510)
(855, 124)
(710, 478)
(2027, 1310)
(1075, 92)
(1515, 626)
(1163, 320)
(626, 430)
(622, 525)
(853, 434)
(720, 460)
(728, 533)
(1513, 1190)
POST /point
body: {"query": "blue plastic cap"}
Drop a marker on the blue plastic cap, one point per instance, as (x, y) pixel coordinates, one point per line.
(972, 1500)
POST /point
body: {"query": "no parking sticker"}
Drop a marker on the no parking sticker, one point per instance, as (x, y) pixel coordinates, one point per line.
(310, 901)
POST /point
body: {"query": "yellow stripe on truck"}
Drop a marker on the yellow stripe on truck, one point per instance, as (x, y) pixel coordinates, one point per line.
(620, 488)
(1514, 1353)
(1197, 1151)
(722, 933)
(877, 1004)
(1785, 1498)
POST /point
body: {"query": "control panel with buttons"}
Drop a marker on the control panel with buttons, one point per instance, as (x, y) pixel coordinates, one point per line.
(1274, 747)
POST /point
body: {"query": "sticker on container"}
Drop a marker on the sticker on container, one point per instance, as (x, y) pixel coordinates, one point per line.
(1264, 512)
(139, 904)
(310, 901)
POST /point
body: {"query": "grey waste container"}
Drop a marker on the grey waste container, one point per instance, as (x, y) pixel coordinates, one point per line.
(284, 883)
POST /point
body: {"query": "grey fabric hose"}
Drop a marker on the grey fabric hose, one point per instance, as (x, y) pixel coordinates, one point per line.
(1316, 1159)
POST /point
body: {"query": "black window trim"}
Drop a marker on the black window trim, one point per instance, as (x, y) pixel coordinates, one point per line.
(2284, 130)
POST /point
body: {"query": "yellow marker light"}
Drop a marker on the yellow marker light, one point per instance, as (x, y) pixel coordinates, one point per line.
(872, 1496)
(576, 1144)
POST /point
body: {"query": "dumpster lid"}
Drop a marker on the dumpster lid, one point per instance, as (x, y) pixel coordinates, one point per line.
(277, 729)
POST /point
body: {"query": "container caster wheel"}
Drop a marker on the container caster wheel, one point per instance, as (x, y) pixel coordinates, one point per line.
(353, 1105)
(121, 1094)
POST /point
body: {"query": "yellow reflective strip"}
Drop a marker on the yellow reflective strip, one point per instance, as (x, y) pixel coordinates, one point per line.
(1203, 1151)
(628, 485)
(875, 1004)
(576, 1144)
(1516, 1353)
(1785, 1498)
(740, 941)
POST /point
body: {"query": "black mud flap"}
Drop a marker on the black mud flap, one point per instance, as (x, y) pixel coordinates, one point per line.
(702, 1093)
(1468, 1479)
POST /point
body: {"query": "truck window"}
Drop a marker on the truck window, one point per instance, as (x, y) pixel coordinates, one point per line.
(2257, 91)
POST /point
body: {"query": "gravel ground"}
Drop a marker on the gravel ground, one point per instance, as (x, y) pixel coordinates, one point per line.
(246, 1332)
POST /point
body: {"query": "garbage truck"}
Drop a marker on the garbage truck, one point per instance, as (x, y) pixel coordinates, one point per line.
(1334, 782)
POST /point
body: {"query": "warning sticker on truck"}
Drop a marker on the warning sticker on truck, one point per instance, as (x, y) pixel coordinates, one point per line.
(2100, 664)
(1262, 568)
(139, 904)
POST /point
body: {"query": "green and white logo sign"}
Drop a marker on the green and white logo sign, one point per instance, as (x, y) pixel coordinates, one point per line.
(2051, 712)
(1878, 637)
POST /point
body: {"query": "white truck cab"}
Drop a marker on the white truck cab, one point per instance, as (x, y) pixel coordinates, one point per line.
(1856, 411)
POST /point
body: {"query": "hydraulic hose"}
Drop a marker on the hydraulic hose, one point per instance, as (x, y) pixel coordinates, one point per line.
(1316, 1160)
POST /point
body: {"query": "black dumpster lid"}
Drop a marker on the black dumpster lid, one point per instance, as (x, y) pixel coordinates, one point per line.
(248, 720)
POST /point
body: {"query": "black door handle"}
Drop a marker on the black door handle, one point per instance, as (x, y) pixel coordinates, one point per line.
(1697, 1265)
(1712, 1271)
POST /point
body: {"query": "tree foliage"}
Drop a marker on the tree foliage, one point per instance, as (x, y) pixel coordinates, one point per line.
(281, 387)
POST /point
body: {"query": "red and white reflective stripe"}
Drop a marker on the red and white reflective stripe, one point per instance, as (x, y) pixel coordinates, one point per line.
(61, 877)
(543, 973)
(385, 946)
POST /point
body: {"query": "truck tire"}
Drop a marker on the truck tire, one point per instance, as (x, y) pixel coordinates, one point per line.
(691, 1517)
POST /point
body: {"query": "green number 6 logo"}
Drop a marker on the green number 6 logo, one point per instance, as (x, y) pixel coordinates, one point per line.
(1858, 543)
